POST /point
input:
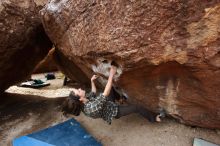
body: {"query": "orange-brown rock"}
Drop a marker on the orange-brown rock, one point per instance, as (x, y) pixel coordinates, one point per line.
(47, 64)
(70, 69)
(23, 42)
(167, 51)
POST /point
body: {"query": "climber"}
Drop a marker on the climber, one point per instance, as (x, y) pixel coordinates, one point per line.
(102, 106)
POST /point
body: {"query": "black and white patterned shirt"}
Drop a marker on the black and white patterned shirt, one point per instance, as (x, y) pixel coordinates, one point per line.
(100, 107)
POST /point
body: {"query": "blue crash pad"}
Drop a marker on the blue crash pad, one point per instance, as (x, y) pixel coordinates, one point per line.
(69, 133)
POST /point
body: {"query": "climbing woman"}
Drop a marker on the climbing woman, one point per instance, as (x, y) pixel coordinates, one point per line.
(103, 105)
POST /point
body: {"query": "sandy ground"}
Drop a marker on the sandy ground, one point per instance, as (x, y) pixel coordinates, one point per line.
(25, 110)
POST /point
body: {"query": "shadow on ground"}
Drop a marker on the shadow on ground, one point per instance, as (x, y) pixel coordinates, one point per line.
(23, 114)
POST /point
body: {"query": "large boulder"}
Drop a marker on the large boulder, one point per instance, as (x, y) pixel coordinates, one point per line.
(48, 64)
(70, 69)
(23, 42)
(167, 51)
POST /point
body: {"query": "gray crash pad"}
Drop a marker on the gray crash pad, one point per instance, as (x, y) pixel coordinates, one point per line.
(201, 142)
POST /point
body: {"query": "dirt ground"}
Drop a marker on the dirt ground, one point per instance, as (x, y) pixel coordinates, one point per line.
(25, 110)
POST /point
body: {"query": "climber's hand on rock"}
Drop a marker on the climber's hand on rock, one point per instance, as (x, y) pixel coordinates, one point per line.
(94, 77)
(113, 70)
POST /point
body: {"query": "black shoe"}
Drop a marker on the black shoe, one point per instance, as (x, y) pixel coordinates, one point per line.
(162, 113)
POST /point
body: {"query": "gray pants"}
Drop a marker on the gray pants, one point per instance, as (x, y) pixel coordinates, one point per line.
(124, 110)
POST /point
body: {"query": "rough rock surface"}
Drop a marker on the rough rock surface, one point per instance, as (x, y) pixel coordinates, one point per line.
(70, 69)
(47, 64)
(167, 51)
(23, 42)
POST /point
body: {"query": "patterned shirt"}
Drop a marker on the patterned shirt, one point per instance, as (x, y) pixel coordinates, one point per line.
(100, 107)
